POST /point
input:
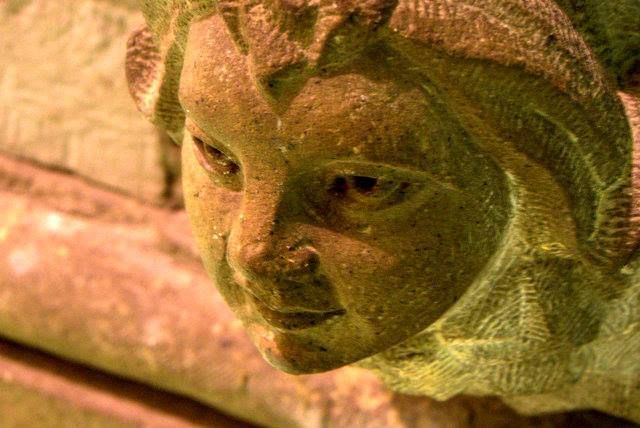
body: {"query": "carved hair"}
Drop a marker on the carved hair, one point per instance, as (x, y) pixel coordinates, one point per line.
(521, 66)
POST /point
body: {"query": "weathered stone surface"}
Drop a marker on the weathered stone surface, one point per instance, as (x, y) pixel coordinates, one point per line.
(103, 280)
(63, 96)
(37, 390)
(612, 28)
(443, 191)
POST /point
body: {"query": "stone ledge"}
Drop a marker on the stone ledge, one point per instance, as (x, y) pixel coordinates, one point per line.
(37, 390)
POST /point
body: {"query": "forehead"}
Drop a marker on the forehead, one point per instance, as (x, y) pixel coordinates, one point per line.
(220, 94)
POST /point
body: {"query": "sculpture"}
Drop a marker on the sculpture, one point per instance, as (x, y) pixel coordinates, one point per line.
(446, 192)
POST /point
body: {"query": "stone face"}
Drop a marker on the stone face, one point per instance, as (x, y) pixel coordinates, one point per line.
(446, 192)
(63, 97)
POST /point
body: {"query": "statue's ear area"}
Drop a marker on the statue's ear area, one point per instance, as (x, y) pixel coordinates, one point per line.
(143, 69)
(153, 90)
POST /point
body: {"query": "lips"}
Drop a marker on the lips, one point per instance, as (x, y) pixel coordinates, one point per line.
(309, 303)
(291, 319)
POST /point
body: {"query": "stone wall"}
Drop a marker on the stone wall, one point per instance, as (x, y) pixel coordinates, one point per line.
(63, 95)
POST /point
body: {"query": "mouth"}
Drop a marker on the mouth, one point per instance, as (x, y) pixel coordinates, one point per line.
(288, 319)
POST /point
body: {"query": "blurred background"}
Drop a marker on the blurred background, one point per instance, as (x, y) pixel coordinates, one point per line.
(106, 316)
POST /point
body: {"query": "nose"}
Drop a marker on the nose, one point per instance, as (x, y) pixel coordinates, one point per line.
(262, 244)
(272, 262)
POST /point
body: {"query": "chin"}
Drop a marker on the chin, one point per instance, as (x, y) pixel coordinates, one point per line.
(292, 367)
(296, 354)
(299, 365)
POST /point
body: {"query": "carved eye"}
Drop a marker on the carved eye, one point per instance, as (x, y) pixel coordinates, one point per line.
(344, 192)
(222, 169)
(367, 190)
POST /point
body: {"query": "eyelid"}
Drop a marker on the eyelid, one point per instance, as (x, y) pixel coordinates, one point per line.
(197, 132)
(369, 169)
(192, 127)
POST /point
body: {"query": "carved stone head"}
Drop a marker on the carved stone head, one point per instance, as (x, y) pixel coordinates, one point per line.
(391, 178)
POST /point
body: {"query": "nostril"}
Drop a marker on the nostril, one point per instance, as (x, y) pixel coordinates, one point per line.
(303, 260)
(258, 261)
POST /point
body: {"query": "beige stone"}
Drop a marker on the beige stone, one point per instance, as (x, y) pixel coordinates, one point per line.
(63, 96)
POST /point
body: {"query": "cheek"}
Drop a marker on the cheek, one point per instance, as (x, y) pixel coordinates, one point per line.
(211, 209)
(403, 274)
(389, 295)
